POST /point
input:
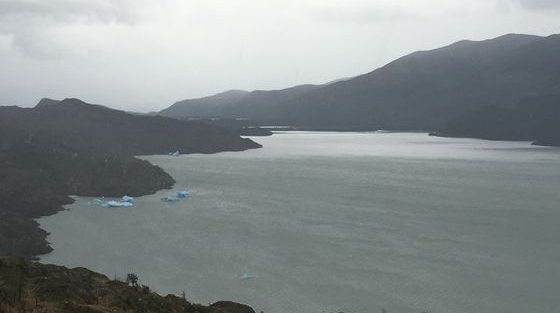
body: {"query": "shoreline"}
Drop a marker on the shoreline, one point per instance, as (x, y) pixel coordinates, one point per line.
(218, 306)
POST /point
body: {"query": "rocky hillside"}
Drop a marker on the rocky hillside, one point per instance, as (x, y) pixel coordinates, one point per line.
(62, 148)
(33, 287)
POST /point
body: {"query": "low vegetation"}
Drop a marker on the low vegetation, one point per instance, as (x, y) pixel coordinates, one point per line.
(33, 287)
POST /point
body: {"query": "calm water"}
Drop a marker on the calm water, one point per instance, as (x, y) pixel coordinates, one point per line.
(329, 221)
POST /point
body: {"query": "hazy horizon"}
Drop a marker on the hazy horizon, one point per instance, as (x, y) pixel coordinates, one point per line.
(145, 55)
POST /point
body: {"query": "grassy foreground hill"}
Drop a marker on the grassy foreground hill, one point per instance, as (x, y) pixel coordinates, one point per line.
(35, 287)
(69, 147)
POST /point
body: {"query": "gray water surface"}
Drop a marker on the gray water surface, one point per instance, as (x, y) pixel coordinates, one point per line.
(328, 222)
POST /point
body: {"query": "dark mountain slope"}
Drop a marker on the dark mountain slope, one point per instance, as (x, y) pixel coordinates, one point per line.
(533, 119)
(426, 89)
(236, 104)
(70, 147)
(421, 91)
(205, 107)
(117, 131)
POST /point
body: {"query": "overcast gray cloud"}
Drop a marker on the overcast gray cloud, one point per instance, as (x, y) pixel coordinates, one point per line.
(534, 6)
(368, 13)
(38, 27)
(92, 10)
(540, 4)
(146, 54)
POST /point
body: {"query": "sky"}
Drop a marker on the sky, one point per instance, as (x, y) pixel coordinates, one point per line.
(143, 55)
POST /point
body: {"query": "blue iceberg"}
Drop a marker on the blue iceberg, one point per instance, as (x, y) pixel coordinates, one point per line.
(182, 194)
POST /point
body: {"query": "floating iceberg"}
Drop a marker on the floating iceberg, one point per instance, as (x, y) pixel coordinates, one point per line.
(176, 153)
(247, 276)
(170, 199)
(99, 201)
(117, 204)
(126, 201)
(182, 194)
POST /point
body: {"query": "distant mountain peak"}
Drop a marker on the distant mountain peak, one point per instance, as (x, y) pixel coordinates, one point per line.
(516, 36)
(512, 38)
(45, 102)
(70, 104)
(73, 101)
(48, 102)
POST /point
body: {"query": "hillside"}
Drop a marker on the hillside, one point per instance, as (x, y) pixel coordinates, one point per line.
(421, 91)
(72, 148)
(35, 287)
(236, 104)
(120, 132)
(534, 119)
(424, 90)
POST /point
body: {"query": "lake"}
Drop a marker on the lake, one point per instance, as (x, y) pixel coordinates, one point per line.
(328, 222)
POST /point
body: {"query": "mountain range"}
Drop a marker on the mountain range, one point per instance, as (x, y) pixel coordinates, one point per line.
(237, 103)
(423, 91)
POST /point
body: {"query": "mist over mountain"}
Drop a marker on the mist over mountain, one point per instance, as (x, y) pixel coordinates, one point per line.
(421, 91)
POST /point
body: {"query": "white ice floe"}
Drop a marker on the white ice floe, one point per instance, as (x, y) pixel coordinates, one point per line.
(247, 276)
(117, 204)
